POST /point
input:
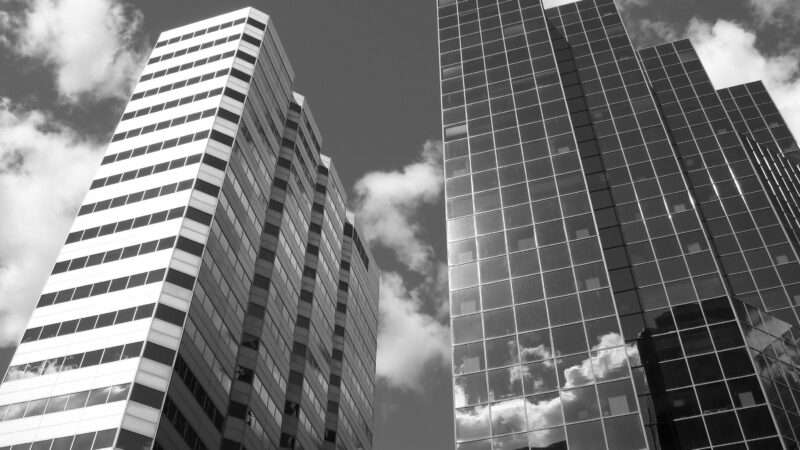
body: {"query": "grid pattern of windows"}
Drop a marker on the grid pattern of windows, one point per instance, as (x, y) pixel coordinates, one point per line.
(591, 277)
(755, 252)
(771, 148)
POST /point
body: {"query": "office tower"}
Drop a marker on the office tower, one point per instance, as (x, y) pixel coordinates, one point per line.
(622, 274)
(208, 295)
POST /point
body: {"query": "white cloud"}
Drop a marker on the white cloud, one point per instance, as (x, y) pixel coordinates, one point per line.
(90, 44)
(729, 53)
(45, 168)
(409, 339)
(387, 201)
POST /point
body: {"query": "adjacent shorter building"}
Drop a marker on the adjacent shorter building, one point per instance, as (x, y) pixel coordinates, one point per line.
(213, 291)
(622, 238)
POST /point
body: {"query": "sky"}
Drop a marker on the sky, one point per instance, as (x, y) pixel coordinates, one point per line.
(369, 71)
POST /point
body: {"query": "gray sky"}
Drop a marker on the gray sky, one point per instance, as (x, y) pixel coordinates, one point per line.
(369, 70)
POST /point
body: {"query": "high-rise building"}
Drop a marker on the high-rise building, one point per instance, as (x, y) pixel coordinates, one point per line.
(622, 238)
(213, 292)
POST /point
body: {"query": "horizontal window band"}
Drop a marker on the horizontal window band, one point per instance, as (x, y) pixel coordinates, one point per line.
(164, 125)
(199, 32)
(146, 171)
(171, 104)
(170, 315)
(125, 225)
(154, 147)
(195, 64)
(74, 361)
(194, 48)
(114, 255)
(135, 197)
(181, 279)
(228, 92)
(94, 439)
(147, 396)
(179, 84)
(102, 287)
(65, 402)
(89, 323)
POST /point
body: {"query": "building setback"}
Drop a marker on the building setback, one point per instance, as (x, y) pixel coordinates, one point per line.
(622, 238)
(213, 291)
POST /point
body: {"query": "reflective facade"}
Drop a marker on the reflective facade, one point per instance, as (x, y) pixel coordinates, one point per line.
(606, 227)
(213, 292)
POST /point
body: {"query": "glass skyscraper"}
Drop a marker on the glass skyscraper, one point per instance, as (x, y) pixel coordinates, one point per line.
(213, 291)
(622, 238)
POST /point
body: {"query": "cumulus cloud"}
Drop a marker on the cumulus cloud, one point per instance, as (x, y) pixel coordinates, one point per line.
(90, 45)
(387, 201)
(725, 45)
(409, 339)
(45, 168)
(413, 335)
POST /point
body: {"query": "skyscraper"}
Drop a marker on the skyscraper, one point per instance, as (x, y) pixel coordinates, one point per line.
(213, 292)
(622, 238)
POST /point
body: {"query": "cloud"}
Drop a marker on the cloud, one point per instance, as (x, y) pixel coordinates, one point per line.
(387, 201)
(646, 32)
(409, 339)
(45, 168)
(90, 45)
(771, 12)
(726, 45)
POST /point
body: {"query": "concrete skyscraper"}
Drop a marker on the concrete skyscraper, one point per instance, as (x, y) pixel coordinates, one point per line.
(213, 292)
(622, 238)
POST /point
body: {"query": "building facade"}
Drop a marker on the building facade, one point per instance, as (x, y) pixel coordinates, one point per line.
(622, 238)
(213, 292)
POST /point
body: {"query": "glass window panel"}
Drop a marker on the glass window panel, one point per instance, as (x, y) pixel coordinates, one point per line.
(574, 370)
(713, 397)
(544, 411)
(723, 428)
(505, 383)
(463, 276)
(468, 358)
(499, 322)
(470, 389)
(524, 263)
(491, 245)
(746, 392)
(682, 402)
(489, 222)
(531, 316)
(579, 404)
(467, 328)
(564, 310)
(616, 398)
(526, 289)
(461, 252)
(586, 436)
(501, 352)
(493, 269)
(624, 433)
(535, 346)
(611, 363)
(539, 377)
(521, 239)
(465, 301)
(496, 295)
(508, 416)
(472, 422)
(705, 368)
(569, 339)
